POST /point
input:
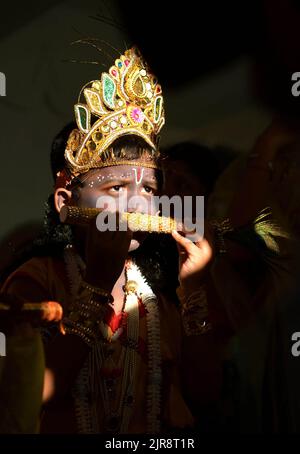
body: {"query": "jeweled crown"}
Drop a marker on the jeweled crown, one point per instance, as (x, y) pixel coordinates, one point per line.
(127, 100)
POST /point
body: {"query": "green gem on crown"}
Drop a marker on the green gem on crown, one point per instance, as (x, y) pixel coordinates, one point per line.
(109, 90)
(83, 117)
(157, 109)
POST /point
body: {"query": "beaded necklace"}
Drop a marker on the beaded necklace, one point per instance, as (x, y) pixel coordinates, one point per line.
(92, 390)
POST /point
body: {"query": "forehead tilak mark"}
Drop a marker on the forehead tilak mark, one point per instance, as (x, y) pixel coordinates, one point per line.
(139, 173)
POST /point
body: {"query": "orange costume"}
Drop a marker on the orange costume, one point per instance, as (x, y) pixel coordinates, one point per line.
(126, 377)
(46, 278)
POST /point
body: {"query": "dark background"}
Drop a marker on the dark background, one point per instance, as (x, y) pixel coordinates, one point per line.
(225, 68)
(200, 51)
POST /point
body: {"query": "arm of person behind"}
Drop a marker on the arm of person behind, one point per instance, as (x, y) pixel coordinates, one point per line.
(22, 363)
(64, 354)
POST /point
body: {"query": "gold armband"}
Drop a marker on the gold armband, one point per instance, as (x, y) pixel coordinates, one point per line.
(194, 312)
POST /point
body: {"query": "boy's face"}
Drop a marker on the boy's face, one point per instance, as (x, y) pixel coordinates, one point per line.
(122, 183)
(130, 188)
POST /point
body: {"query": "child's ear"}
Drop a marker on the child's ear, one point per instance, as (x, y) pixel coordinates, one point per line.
(62, 197)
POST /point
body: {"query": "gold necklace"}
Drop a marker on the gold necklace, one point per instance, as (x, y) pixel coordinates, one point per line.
(88, 392)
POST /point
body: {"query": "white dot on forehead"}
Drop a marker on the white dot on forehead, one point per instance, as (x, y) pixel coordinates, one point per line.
(135, 172)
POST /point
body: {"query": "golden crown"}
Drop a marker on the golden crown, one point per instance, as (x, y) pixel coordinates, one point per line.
(127, 100)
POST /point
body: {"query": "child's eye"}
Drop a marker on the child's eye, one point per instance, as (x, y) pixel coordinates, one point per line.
(148, 189)
(116, 188)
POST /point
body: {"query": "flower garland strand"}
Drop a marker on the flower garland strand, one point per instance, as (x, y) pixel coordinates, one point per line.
(149, 299)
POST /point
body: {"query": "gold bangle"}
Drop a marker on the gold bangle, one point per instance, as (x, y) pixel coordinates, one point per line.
(220, 228)
(194, 312)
